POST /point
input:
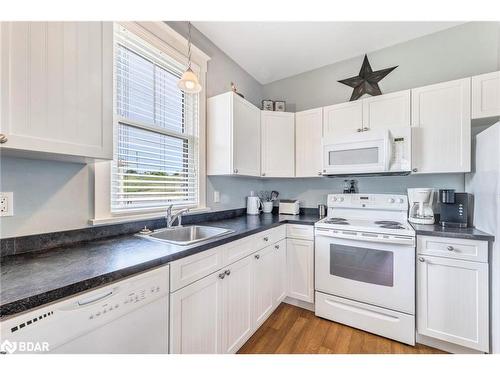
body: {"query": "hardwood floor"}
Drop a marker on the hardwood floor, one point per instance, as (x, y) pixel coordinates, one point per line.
(292, 330)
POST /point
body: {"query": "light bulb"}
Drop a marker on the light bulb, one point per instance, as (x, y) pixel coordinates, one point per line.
(190, 84)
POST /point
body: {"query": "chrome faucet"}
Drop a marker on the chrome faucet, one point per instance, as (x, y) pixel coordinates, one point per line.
(171, 218)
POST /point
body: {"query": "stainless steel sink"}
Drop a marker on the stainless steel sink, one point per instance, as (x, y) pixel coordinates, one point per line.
(186, 235)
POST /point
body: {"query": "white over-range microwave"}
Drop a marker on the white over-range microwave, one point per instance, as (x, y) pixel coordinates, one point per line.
(377, 151)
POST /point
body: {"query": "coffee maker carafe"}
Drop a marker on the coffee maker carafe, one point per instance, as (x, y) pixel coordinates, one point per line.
(456, 208)
(421, 200)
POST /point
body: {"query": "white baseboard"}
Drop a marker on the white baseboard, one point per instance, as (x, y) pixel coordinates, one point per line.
(446, 346)
(297, 302)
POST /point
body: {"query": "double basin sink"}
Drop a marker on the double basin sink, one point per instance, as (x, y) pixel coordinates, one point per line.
(185, 235)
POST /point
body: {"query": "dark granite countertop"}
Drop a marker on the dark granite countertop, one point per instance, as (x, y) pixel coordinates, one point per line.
(32, 279)
(440, 231)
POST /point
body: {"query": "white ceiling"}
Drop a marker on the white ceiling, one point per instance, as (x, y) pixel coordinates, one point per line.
(270, 51)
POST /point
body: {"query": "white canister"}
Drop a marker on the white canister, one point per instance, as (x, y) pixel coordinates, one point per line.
(267, 207)
(253, 205)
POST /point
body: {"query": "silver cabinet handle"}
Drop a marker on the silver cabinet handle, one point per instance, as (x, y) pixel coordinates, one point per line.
(421, 259)
(450, 248)
(222, 275)
(227, 272)
(366, 129)
(319, 173)
(414, 170)
(3, 138)
(235, 170)
(359, 130)
(256, 256)
(266, 239)
(263, 174)
(276, 246)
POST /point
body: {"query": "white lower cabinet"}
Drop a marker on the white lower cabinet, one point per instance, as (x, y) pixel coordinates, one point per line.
(300, 269)
(237, 304)
(452, 301)
(196, 317)
(279, 272)
(263, 284)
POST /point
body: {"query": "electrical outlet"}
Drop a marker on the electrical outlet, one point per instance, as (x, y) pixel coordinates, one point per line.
(216, 196)
(7, 204)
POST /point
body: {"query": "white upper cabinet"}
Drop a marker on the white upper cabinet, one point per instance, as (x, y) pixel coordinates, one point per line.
(382, 111)
(486, 95)
(441, 138)
(233, 136)
(278, 144)
(57, 89)
(341, 119)
(387, 111)
(308, 152)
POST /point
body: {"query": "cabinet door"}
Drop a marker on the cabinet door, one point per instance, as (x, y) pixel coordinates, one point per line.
(237, 314)
(452, 301)
(196, 316)
(246, 137)
(308, 152)
(387, 111)
(278, 144)
(263, 277)
(280, 272)
(486, 95)
(57, 88)
(300, 264)
(441, 140)
(342, 119)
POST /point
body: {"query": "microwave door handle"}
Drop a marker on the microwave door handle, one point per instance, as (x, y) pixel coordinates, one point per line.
(388, 153)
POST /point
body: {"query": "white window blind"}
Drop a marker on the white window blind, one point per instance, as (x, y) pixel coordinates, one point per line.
(156, 137)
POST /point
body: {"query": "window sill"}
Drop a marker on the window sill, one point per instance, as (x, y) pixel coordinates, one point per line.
(118, 219)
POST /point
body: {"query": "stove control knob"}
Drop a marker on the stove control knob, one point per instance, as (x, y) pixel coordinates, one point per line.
(391, 200)
(341, 199)
(401, 200)
(335, 199)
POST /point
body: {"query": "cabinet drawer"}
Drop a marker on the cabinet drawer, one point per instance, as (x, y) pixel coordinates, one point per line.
(187, 270)
(301, 232)
(269, 237)
(455, 248)
(237, 250)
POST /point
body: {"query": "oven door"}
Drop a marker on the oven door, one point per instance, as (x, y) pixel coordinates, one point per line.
(376, 273)
(358, 153)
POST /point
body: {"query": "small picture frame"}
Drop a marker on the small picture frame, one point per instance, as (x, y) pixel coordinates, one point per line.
(279, 106)
(267, 105)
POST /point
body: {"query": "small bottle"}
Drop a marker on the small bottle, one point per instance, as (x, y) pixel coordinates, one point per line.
(352, 188)
(346, 187)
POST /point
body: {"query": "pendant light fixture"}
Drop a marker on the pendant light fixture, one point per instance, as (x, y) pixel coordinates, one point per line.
(189, 81)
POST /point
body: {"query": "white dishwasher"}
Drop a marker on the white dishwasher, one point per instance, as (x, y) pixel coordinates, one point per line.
(130, 316)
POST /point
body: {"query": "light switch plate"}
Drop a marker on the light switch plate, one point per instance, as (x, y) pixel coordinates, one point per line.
(7, 204)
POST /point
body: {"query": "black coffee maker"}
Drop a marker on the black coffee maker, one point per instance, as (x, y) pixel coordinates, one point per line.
(456, 208)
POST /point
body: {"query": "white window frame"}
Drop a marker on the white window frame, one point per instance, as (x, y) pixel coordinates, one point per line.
(163, 37)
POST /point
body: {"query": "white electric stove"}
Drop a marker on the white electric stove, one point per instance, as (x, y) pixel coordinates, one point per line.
(365, 264)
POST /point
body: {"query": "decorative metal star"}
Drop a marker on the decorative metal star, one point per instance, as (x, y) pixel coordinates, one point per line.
(367, 80)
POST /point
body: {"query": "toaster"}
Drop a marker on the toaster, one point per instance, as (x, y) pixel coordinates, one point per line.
(289, 207)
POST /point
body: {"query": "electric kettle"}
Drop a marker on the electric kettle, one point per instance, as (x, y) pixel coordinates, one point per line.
(253, 204)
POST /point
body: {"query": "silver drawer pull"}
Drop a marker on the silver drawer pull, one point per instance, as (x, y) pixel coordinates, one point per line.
(421, 259)
(257, 256)
(222, 275)
(450, 248)
(276, 246)
(227, 272)
(266, 239)
(3, 138)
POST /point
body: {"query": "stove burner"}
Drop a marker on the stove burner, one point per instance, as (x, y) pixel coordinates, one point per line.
(387, 222)
(392, 226)
(337, 220)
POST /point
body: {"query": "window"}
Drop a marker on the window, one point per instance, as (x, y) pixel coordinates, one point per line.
(156, 136)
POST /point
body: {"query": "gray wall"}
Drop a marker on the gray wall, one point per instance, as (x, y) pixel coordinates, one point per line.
(53, 196)
(458, 52)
